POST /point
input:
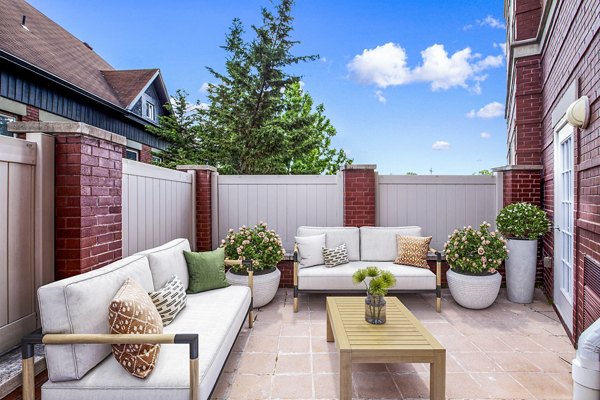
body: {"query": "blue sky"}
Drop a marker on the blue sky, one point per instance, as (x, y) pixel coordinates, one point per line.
(409, 85)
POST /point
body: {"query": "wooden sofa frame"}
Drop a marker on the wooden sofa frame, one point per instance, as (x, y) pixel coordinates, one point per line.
(438, 282)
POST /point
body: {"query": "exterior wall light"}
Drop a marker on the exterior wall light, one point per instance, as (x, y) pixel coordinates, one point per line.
(578, 113)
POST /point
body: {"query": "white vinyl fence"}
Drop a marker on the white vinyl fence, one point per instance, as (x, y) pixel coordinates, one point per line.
(285, 202)
(438, 204)
(158, 206)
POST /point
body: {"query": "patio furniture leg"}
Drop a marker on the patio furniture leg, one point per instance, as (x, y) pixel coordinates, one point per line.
(28, 371)
(437, 377)
(438, 282)
(194, 384)
(248, 264)
(330, 337)
(345, 375)
(296, 278)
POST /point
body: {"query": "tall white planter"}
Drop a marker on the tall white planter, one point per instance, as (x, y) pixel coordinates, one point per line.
(474, 291)
(520, 270)
(265, 285)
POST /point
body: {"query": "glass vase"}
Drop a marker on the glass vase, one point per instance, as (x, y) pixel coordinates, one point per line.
(375, 309)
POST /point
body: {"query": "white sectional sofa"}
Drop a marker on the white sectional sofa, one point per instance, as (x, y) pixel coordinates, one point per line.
(75, 310)
(366, 246)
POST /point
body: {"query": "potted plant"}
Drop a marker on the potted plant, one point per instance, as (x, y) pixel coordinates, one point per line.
(264, 247)
(377, 282)
(523, 224)
(474, 256)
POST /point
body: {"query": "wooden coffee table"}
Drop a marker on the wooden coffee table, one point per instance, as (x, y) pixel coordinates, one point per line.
(402, 339)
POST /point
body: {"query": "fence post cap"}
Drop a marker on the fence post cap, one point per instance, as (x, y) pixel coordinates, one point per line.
(370, 167)
(196, 167)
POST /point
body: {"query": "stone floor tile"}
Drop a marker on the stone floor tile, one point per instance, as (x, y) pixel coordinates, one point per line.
(542, 386)
(246, 387)
(292, 387)
(489, 344)
(513, 362)
(373, 386)
(500, 385)
(325, 363)
(461, 386)
(413, 386)
(321, 345)
(371, 368)
(257, 363)
(407, 368)
(262, 344)
(294, 344)
(441, 328)
(549, 362)
(475, 362)
(232, 362)
(297, 328)
(240, 343)
(521, 343)
(318, 328)
(456, 343)
(293, 364)
(223, 386)
(327, 386)
(557, 344)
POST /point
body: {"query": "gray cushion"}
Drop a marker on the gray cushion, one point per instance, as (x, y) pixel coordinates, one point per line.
(336, 236)
(310, 250)
(80, 305)
(379, 243)
(215, 315)
(168, 260)
(340, 278)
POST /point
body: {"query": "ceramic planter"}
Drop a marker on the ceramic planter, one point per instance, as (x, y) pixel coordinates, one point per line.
(520, 270)
(265, 285)
(474, 291)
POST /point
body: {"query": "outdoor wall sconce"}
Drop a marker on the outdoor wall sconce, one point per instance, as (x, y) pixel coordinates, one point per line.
(578, 113)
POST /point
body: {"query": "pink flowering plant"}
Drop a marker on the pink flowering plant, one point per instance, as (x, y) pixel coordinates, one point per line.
(475, 251)
(260, 244)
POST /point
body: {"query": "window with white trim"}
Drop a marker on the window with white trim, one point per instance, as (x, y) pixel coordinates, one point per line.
(132, 154)
(150, 111)
(4, 120)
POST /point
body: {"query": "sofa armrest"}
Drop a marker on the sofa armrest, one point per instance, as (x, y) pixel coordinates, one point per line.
(29, 341)
(249, 265)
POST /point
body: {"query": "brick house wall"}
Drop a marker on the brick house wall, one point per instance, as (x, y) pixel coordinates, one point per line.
(146, 154)
(359, 195)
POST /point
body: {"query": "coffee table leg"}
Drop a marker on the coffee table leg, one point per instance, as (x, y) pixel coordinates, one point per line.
(345, 375)
(329, 331)
(437, 378)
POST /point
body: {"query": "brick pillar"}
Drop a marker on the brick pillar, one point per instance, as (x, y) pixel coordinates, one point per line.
(146, 154)
(359, 195)
(204, 182)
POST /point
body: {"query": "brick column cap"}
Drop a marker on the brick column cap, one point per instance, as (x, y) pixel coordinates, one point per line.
(369, 167)
(196, 168)
(519, 168)
(66, 128)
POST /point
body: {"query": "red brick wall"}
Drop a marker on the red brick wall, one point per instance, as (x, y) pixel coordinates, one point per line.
(32, 114)
(522, 185)
(527, 18)
(146, 154)
(359, 196)
(528, 111)
(203, 210)
(87, 203)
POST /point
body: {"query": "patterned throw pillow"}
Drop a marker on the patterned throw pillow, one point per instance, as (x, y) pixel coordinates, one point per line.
(132, 311)
(335, 256)
(169, 300)
(412, 250)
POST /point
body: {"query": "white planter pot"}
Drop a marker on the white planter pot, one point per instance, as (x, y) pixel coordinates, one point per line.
(473, 291)
(520, 270)
(265, 286)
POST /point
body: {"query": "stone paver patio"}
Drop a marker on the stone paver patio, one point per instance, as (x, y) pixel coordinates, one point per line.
(508, 351)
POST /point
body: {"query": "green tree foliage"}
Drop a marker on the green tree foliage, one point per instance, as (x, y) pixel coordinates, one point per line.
(411, 173)
(485, 172)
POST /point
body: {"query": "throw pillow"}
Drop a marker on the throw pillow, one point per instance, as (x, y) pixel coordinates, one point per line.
(412, 250)
(335, 256)
(310, 250)
(206, 270)
(132, 311)
(169, 299)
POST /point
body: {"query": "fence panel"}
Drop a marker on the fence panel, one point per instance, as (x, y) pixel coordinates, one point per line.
(439, 204)
(283, 201)
(158, 206)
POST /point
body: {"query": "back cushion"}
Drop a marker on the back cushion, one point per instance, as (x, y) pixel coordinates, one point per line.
(379, 243)
(80, 305)
(335, 237)
(168, 260)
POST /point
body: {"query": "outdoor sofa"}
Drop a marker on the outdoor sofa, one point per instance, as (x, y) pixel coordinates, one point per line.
(366, 246)
(74, 314)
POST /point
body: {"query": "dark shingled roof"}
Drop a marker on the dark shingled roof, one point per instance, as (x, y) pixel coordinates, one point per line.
(51, 48)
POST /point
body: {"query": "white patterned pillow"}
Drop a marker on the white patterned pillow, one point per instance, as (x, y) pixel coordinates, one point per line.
(169, 300)
(335, 256)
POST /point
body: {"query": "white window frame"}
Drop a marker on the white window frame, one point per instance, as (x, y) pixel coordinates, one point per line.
(150, 110)
(11, 118)
(129, 150)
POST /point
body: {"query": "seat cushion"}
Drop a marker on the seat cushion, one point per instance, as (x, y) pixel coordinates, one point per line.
(216, 316)
(340, 278)
(80, 305)
(379, 243)
(335, 236)
(168, 260)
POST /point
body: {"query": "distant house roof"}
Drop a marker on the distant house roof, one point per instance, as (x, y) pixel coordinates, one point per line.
(46, 45)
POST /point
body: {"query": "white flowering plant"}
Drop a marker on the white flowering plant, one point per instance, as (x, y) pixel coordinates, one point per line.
(475, 251)
(522, 221)
(260, 244)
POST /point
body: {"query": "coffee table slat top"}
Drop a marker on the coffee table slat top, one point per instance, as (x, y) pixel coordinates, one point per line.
(402, 330)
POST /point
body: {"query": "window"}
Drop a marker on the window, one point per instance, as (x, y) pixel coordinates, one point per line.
(150, 111)
(4, 120)
(156, 159)
(132, 154)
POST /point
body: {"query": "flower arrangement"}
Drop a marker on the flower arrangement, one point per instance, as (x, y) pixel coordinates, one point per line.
(378, 283)
(260, 244)
(522, 221)
(475, 251)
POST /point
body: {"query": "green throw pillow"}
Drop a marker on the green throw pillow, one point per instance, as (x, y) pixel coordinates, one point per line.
(206, 269)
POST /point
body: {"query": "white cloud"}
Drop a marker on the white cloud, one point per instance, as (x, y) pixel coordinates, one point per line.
(440, 145)
(386, 65)
(380, 97)
(491, 22)
(204, 87)
(501, 46)
(491, 110)
(302, 84)
(485, 135)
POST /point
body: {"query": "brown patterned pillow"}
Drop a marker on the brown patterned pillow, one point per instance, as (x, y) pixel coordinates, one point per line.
(132, 311)
(412, 250)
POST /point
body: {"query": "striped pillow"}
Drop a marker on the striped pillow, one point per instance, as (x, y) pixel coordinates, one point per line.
(169, 300)
(336, 256)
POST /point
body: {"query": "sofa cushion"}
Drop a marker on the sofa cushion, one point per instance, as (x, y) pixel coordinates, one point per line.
(168, 260)
(80, 305)
(336, 256)
(206, 270)
(340, 278)
(379, 243)
(336, 236)
(169, 300)
(412, 250)
(310, 250)
(216, 316)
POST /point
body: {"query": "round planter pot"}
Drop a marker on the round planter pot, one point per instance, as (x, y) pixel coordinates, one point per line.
(265, 285)
(474, 291)
(520, 270)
